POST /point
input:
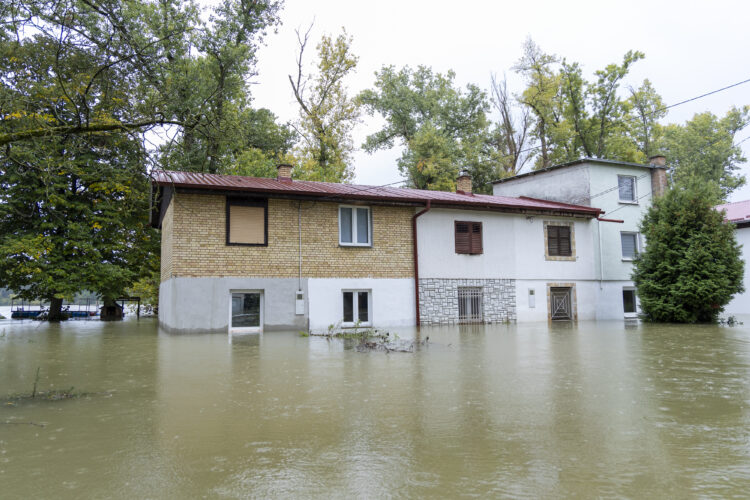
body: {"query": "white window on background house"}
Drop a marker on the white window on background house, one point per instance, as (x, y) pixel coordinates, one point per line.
(357, 307)
(629, 243)
(354, 226)
(626, 185)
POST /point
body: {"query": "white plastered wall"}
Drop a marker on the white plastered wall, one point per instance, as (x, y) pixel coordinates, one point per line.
(393, 302)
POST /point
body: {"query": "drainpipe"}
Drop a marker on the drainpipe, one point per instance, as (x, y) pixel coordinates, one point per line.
(599, 234)
(416, 256)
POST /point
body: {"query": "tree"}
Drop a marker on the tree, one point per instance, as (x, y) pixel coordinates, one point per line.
(82, 82)
(438, 123)
(692, 264)
(73, 217)
(703, 151)
(206, 81)
(542, 88)
(56, 55)
(647, 108)
(575, 117)
(327, 113)
(510, 137)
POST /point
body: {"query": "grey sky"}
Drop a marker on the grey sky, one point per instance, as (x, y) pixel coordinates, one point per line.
(691, 48)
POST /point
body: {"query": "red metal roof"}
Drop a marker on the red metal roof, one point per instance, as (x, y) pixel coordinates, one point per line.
(320, 190)
(736, 212)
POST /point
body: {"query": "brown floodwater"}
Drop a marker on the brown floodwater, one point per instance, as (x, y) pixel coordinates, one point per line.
(587, 410)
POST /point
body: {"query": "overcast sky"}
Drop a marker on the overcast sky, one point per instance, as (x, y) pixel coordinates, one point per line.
(691, 48)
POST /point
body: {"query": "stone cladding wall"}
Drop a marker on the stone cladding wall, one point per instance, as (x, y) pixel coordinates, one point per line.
(438, 300)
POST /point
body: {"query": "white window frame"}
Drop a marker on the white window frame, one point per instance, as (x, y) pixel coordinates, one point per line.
(634, 201)
(633, 314)
(354, 243)
(355, 307)
(247, 329)
(637, 244)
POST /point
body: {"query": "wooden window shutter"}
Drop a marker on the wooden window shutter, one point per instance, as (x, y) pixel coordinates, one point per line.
(564, 245)
(476, 237)
(468, 237)
(552, 240)
(463, 237)
(558, 241)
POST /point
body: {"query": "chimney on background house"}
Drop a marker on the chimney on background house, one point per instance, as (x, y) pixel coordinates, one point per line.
(463, 183)
(284, 172)
(658, 175)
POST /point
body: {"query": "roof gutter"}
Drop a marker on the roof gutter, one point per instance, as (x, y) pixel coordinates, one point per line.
(416, 256)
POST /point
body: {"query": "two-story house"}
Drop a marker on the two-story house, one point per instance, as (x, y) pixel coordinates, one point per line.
(624, 192)
(246, 254)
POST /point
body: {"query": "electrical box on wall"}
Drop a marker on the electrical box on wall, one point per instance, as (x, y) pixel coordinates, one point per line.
(299, 303)
(532, 298)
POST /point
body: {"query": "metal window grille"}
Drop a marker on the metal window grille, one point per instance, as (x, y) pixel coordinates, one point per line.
(560, 304)
(470, 305)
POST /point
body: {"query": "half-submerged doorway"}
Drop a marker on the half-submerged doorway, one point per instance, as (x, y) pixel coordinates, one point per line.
(246, 312)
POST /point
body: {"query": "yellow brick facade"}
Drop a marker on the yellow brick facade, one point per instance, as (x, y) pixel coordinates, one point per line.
(195, 229)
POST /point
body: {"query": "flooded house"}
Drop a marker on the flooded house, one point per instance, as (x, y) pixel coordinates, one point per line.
(243, 254)
(624, 192)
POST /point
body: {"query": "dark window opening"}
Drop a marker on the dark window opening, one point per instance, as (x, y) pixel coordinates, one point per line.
(628, 301)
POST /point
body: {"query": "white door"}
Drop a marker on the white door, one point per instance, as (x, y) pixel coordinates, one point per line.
(246, 312)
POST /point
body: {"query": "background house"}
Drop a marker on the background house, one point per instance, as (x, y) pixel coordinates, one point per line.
(738, 213)
(624, 192)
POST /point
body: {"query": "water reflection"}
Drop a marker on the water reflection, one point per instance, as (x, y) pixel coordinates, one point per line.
(603, 409)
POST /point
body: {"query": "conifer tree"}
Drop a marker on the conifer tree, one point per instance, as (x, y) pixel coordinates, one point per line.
(691, 266)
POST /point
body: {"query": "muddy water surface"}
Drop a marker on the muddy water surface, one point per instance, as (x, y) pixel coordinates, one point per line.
(597, 409)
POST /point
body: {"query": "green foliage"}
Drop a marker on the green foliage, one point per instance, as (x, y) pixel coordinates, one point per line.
(576, 117)
(444, 128)
(703, 151)
(327, 113)
(73, 216)
(692, 264)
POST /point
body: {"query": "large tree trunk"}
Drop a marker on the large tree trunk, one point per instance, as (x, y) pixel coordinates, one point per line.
(55, 313)
(111, 310)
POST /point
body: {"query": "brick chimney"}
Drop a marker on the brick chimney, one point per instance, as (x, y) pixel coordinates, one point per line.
(284, 172)
(463, 183)
(659, 182)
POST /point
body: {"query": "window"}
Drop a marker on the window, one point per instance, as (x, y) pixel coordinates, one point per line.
(354, 226)
(247, 222)
(470, 302)
(468, 237)
(357, 307)
(628, 301)
(558, 241)
(626, 185)
(629, 243)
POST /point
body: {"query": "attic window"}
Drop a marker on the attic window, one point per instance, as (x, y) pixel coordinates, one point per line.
(468, 237)
(247, 222)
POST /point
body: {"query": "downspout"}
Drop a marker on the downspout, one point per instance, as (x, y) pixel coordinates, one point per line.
(416, 256)
(599, 233)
